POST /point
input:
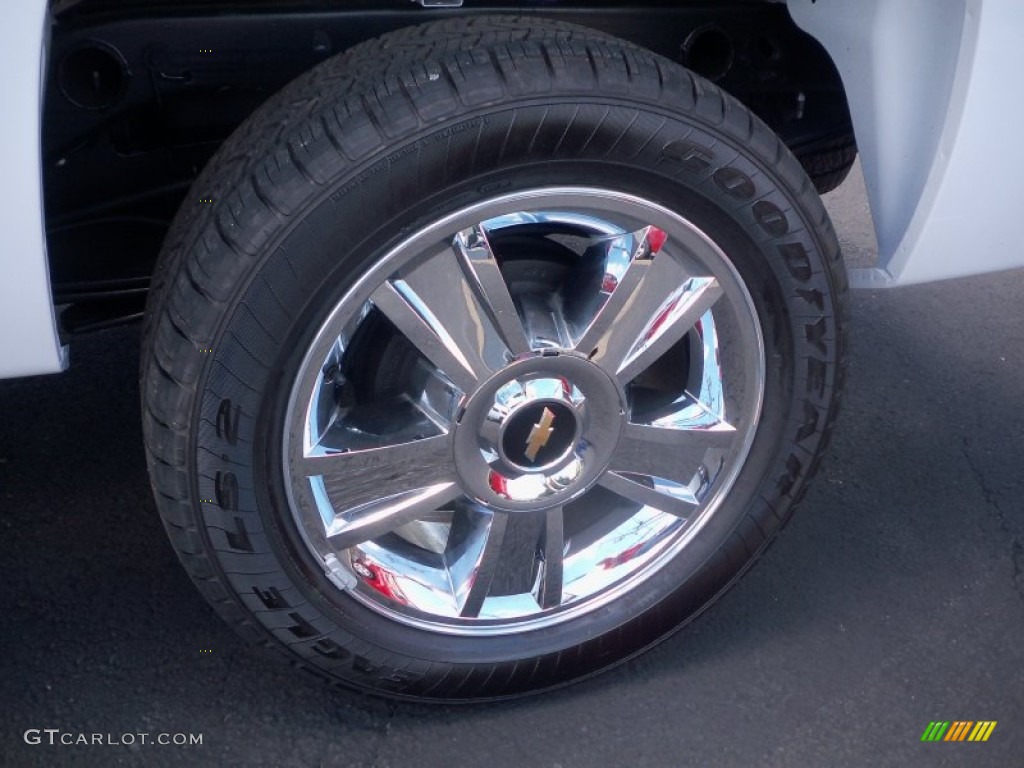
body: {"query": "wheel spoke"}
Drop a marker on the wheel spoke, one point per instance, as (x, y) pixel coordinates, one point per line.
(552, 551)
(674, 319)
(471, 565)
(456, 309)
(481, 269)
(650, 308)
(517, 569)
(376, 490)
(679, 501)
(426, 333)
(627, 261)
(675, 455)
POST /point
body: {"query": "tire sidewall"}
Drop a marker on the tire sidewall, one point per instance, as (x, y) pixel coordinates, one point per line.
(687, 166)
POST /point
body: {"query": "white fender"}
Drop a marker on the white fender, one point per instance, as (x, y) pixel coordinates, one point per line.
(937, 115)
(28, 329)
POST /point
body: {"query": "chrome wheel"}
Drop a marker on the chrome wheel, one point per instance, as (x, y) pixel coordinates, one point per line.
(502, 351)
(580, 381)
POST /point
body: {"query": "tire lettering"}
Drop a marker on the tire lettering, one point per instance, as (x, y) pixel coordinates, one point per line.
(770, 218)
(227, 422)
(302, 628)
(814, 298)
(239, 538)
(362, 665)
(815, 334)
(810, 425)
(735, 183)
(271, 598)
(396, 681)
(225, 486)
(392, 679)
(330, 649)
(797, 260)
(693, 157)
(816, 372)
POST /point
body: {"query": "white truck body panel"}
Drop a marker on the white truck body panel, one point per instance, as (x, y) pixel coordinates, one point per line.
(937, 120)
(929, 84)
(28, 329)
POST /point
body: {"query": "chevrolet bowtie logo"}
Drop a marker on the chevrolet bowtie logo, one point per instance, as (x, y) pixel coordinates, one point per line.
(540, 434)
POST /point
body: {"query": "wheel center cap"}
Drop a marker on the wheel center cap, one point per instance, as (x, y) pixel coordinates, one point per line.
(538, 433)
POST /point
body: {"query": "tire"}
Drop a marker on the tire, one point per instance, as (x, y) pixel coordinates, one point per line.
(828, 165)
(502, 350)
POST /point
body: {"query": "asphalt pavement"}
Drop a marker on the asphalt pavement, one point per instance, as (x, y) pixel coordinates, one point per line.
(894, 598)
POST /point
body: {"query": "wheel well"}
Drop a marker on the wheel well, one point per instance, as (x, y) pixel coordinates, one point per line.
(140, 94)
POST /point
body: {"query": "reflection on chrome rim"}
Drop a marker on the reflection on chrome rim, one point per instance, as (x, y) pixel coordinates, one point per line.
(577, 383)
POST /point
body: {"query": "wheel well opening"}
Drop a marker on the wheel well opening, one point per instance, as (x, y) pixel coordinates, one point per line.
(709, 52)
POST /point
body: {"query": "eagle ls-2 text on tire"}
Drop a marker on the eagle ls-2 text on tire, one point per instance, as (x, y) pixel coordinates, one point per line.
(524, 343)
